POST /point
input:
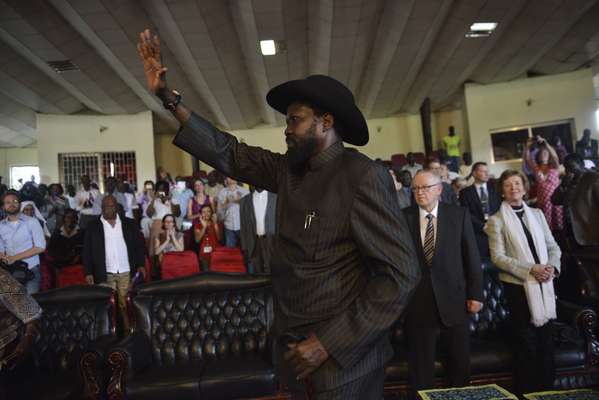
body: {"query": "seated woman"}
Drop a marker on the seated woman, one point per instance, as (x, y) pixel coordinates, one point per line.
(30, 209)
(169, 239)
(207, 235)
(522, 247)
(66, 244)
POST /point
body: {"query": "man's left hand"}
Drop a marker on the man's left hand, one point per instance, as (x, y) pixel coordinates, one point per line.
(143, 271)
(306, 356)
(473, 306)
(10, 259)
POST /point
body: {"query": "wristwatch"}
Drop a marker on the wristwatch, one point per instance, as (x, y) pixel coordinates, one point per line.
(171, 102)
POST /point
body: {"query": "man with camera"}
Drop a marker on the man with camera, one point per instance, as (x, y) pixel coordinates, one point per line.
(21, 242)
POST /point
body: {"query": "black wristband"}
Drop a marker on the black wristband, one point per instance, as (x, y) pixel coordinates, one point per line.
(170, 100)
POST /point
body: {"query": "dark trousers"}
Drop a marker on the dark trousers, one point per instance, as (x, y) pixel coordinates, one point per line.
(534, 363)
(423, 327)
(259, 261)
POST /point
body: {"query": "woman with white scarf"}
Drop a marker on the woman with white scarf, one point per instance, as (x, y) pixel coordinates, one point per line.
(523, 248)
(30, 209)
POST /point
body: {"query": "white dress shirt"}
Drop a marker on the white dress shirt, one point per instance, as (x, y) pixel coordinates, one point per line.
(82, 196)
(115, 248)
(230, 211)
(424, 222)
(130, 203)
(260, 200)
(161, 209)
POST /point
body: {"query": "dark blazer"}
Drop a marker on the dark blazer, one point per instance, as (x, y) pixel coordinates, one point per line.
(456, 272)
(580, 148)
(248, 221)
(469, 199)
(94, 256)
(343, 265)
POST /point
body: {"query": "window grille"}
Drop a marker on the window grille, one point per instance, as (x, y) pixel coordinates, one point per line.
(98, 166)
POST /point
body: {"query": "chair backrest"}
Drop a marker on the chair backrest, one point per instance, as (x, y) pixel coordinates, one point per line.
(399, 160)
(419, 158)
(492, 318)
(73, 317)
(204, 317)
(71, 275)
(490, 321)
(227, 259)
(178, 264)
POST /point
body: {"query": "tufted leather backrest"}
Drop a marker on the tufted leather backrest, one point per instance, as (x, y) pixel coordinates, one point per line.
(205, 316)
(489, 321)
(72, 318)
(494, 313)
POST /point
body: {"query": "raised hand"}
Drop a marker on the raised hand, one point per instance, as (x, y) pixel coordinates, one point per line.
(148, 49)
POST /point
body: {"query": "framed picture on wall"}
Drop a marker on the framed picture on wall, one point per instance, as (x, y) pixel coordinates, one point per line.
(508, 143)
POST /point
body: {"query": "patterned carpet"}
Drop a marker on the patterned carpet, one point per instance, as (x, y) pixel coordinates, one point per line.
(581, 394)
(485, 392)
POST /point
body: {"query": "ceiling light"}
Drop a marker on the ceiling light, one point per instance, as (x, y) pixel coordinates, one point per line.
(268, 47)
(483, 26)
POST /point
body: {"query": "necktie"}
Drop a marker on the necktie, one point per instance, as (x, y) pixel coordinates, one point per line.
(484, 199)
(429, 241)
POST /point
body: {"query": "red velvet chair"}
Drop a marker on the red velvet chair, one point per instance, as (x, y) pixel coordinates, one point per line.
(177, 264)
(70, 275)
(227, 259)
(398, 160)
(419, 158)
(47, 281)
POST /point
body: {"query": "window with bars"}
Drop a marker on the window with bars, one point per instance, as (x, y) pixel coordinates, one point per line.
(98, 166)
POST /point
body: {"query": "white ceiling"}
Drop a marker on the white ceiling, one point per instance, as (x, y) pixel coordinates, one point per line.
(391, 53)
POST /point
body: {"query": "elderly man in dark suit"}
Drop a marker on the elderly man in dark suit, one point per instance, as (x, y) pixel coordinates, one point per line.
(482, 200)
(258, 226)
(343, 263)
(450, 288)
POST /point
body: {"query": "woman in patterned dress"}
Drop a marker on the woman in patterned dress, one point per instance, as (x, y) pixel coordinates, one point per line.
(545, 165)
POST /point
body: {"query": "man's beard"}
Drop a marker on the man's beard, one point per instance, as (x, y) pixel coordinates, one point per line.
(301, 150)
(13, 212)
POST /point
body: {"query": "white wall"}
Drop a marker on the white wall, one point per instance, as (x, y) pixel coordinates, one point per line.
(504, 105)
(15, 156)
(81, 133)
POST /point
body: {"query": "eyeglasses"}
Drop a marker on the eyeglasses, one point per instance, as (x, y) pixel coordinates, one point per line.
(424, 189)
(7, 202)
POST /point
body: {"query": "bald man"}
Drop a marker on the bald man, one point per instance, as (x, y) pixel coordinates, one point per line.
(113, 252)
(451, 286)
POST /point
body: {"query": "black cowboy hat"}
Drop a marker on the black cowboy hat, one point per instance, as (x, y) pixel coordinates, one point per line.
(331, 96)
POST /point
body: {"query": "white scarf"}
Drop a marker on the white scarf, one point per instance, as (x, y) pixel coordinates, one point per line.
(540, 297)
(38, 215)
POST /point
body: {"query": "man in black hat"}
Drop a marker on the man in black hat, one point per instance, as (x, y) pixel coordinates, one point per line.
(343, 264)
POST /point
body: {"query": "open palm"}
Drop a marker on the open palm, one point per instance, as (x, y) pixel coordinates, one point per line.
(148, 49)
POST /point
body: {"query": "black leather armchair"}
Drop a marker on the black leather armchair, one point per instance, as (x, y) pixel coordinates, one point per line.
(200, 337)
(576, 347)
(74, 319)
